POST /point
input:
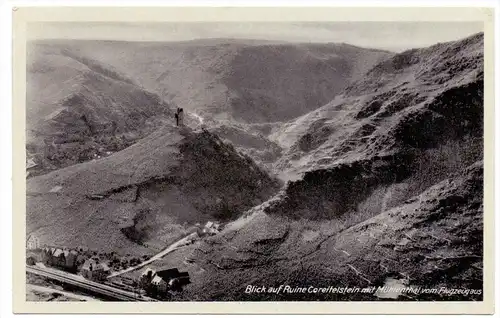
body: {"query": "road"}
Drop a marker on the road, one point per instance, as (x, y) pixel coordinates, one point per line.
(81, 282)
(164, 252)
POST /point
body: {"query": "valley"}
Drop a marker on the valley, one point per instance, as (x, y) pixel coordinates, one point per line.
(326, 164)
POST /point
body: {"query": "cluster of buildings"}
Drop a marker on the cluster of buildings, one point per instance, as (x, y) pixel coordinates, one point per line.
(94, 269)
(158, 282)
(65, 259)
(70, 260)
(210, 228)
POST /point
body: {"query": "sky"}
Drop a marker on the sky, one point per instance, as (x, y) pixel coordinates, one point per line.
(394, 36)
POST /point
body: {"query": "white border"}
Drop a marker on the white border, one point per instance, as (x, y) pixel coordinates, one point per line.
(6, 89)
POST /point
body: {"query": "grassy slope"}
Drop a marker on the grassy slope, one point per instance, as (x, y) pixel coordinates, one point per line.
(247, 80)
(364, 120)
(152, 191)
(405, 202)
(91, 95)
(432, 240)
(82, 105)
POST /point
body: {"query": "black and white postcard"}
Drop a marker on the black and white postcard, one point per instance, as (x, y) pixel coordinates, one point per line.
(317, 160)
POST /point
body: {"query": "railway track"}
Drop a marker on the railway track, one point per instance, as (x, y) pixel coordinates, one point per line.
(78, 281)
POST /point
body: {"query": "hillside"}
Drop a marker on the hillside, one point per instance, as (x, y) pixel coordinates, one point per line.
(79, 108)
(386, 187)
(249, 81)
(147, 194)
(433, 240)
(439, 88)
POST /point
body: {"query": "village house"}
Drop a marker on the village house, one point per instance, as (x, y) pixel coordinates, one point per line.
(174, 278)
(157, 283)
(58, 258)
(65, 259)
(47, 255)
(168, 274)
(211, 228)
(32, 242)
(147, 276)
(94, 269)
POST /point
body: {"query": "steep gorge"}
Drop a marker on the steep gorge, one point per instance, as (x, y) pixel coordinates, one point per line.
(389, 186)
